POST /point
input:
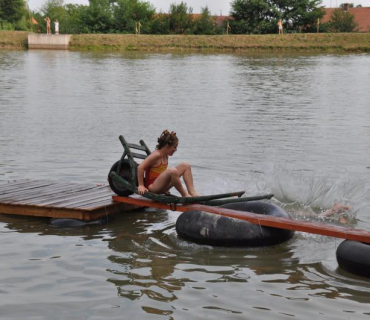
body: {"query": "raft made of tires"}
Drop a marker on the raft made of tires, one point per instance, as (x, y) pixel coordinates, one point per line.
(216, 230)
(354, 257)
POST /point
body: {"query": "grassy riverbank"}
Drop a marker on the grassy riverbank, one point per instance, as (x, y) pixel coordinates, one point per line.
(13, 39)
(295, 42)
(340, 42)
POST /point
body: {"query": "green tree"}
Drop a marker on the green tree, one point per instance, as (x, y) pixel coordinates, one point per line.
(261, 16)
(160, 24)
(97, 17)
(300, 15)
(181, 18)
(128, 12)
(342, 21)
(12, 10)
(205, 24)
(25, 23)
(14, 15)
(252, 16)
(72, 22)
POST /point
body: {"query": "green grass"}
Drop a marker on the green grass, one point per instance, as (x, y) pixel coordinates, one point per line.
(302, 42)
(13, 39)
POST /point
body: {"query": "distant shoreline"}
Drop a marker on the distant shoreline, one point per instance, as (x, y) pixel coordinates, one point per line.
(298, 42)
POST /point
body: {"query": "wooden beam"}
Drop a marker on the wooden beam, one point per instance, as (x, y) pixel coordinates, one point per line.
(263, 220)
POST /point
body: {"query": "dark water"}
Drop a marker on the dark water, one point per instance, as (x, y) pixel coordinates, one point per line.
(294, 125)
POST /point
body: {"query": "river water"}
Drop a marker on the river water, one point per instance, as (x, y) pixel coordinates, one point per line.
(296, 125)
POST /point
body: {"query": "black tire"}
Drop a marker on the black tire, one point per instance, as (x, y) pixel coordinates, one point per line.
(125, 174)
(354, 257)
(207, 228)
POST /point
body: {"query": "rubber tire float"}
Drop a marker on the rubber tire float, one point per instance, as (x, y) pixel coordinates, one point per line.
(354, 257)
(125, 174)
(216, 230)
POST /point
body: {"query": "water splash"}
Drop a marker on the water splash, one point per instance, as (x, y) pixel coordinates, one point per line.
(314, 192)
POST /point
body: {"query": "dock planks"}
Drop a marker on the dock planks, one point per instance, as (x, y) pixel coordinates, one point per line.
(56, 199)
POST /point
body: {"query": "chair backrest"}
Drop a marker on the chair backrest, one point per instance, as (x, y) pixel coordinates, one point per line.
(142, 147)
(128, 146)
(131, 155)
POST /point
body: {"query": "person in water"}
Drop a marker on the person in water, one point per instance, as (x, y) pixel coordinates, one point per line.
(158, 177)
(335, 212)
(335, 209)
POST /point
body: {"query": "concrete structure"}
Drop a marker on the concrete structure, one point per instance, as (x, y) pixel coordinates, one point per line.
(48, 41)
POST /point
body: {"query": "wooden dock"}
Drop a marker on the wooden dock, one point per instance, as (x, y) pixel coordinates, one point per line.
(55, 199)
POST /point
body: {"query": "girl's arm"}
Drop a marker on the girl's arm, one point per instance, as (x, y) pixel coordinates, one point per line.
(147, 163)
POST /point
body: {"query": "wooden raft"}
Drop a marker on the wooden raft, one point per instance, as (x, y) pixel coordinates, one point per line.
(54, 199)
(261, 219)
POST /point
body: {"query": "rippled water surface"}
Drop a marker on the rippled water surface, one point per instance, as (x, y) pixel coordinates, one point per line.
(294, 125)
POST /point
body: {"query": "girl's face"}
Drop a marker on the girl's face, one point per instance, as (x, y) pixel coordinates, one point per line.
(173, 148)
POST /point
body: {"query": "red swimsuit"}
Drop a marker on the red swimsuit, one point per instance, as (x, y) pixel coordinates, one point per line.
(153, 173)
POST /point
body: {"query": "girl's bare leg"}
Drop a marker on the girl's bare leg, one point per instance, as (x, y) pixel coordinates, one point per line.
(167, 179)
(184, 170)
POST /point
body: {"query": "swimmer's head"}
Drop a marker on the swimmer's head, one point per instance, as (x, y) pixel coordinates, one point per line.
(167, 138)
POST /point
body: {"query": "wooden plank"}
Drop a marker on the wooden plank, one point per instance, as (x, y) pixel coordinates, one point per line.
(21, 183)
(264, 220)
(6, 183)
(38, 192)
(88, 201)
(96, 204)
(136, 146)
(30, 188)
(58, 197)
(74, 201)
(41, 212)
(57, 194)
(102, 212)
(24, 187)
(138, 155)
(87, 214)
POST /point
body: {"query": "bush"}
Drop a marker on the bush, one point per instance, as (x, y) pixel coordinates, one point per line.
(4, 25)
(205, 24)
(342, 21)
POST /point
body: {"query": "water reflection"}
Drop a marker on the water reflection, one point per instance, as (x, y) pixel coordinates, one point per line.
(149, 264)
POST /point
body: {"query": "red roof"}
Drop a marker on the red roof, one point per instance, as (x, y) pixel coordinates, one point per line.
(362, 17)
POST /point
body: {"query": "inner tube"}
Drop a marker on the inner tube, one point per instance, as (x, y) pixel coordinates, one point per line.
(354, 257)
(216, 230)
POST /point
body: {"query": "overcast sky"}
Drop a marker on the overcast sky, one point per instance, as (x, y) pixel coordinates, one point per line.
(217, 7)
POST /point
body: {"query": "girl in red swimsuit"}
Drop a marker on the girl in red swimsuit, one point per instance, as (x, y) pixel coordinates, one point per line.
(158, 177)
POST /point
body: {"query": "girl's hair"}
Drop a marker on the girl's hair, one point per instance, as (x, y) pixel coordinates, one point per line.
(167, 138)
